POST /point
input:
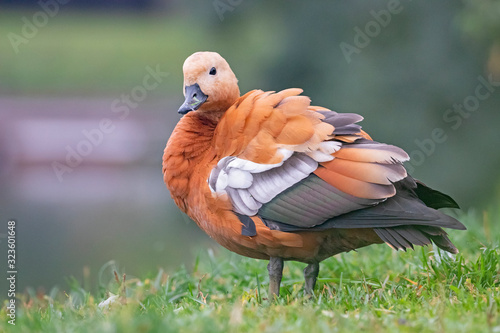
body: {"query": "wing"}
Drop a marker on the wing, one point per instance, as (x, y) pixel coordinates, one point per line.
(404, 220)
(267, 127)
(290, 162)
(298, 167)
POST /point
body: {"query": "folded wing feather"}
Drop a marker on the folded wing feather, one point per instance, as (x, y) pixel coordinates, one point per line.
(277, 141)
(250, 187)
(300, 167)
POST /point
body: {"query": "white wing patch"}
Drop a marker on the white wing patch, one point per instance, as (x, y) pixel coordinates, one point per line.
(253, 167)
(330, 147)
(249, 185)
(323, 153)
(238, 178)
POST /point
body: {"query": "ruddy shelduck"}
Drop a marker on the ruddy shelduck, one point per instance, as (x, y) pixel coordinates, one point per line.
(271, 177)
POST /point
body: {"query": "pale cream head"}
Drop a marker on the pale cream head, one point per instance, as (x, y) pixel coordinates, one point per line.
(215, 79)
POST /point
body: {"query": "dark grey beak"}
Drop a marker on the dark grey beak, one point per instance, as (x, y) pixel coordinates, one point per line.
(194, 99)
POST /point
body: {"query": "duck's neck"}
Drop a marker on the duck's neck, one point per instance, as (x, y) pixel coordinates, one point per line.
(187, 151)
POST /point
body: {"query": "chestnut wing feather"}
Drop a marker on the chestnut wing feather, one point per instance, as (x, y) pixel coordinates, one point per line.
(276, 150)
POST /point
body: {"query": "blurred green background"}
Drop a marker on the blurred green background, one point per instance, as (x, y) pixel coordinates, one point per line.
(413, 69)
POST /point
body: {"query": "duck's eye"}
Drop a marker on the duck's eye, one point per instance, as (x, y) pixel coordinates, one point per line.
(213, 71)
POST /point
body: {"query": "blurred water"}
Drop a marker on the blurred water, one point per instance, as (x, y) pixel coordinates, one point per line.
(113, 205)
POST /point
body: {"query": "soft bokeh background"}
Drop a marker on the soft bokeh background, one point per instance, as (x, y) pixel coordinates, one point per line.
(68, 69)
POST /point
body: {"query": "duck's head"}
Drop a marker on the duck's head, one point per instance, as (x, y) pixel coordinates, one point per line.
(209, 83)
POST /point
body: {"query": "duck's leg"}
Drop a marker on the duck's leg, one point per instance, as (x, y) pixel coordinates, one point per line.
(275, 269)
(310, 274)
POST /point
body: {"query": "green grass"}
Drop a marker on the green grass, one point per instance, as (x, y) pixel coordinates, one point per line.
(373, 290)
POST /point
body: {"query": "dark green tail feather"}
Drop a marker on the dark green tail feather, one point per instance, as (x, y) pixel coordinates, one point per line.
(433, 198)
